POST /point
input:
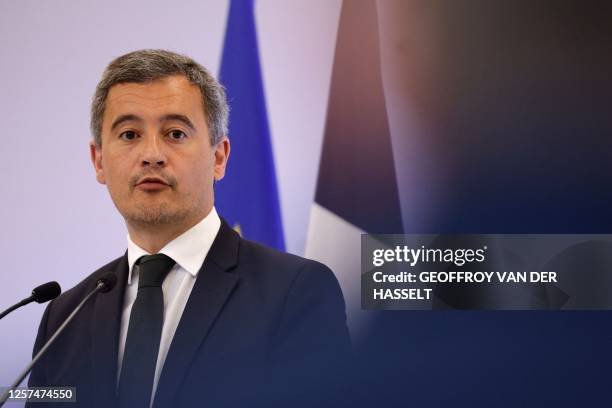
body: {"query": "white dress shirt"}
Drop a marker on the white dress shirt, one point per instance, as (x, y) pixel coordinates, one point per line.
(188, 250)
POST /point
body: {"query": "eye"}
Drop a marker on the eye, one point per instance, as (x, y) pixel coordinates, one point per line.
(128, 135)
(177, 134)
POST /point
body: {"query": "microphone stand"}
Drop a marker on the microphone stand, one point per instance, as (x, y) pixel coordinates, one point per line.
(101, 286)
(16, 306)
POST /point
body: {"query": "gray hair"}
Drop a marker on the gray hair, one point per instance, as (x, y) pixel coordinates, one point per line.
(150, 65)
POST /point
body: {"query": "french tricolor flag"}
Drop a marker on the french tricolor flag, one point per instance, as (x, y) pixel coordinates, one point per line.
(357, 189)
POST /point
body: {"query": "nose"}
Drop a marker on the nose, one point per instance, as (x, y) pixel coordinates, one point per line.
(153, 154)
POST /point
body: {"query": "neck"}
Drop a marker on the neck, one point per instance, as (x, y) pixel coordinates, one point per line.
(153, 237)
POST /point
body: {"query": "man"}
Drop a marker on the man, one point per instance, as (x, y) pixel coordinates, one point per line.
(199, 316)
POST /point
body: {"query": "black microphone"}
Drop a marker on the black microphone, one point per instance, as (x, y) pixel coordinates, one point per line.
(46, 292)
(104, 284)
(108, 282)
(40, 294)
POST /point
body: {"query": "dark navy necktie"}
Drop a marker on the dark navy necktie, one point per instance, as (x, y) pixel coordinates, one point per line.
(144, 333)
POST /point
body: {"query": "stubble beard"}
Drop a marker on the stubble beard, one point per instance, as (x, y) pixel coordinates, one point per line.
(156, 212)
(177, 211)
(158, 215)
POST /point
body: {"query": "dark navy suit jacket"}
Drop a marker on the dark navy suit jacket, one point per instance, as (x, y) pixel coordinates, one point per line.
(260, 328)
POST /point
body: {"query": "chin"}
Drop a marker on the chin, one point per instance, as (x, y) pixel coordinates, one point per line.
(157, 215)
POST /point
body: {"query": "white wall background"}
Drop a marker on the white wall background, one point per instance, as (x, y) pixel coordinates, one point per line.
(58, 223)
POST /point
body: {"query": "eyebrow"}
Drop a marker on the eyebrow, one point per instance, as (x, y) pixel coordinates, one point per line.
(171, 116)
(125, 118)
(180, 118)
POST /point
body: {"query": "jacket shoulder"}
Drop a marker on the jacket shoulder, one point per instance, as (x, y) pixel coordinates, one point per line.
(259, 261)
(256, 254)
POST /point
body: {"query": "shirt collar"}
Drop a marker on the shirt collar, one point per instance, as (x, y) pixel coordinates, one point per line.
(188, 250)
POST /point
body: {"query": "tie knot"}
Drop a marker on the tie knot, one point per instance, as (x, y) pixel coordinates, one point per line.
(153, 269)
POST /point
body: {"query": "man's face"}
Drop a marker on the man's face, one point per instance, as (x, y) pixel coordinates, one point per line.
(156, 158)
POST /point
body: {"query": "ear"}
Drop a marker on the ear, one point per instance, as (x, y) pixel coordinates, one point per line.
(96, 158)
(222, 152)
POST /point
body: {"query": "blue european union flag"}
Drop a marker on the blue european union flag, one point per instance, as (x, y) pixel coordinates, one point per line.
(248, 197)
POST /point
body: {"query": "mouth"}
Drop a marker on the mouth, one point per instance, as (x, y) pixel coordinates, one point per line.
(152, 184)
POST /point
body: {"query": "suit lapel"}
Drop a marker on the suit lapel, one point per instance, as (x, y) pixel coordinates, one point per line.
(105, 340)
(213, 286)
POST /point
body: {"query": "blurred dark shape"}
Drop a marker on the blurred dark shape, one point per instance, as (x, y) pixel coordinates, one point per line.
(515, 98)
